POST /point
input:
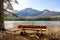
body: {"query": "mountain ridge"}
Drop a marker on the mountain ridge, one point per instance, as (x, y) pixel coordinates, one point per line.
(30, 12)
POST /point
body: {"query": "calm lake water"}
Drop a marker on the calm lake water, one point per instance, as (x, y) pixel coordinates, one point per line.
(14, 24)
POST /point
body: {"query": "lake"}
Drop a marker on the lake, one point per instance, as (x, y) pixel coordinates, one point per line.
(14, 24)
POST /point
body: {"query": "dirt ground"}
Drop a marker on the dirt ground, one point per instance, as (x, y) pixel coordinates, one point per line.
(10, 36)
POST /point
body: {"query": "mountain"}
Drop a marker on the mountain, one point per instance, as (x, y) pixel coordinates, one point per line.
(32, 13)
(50, 13)
(29, 12)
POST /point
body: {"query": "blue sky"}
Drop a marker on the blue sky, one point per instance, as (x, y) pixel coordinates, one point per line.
(53, 5)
